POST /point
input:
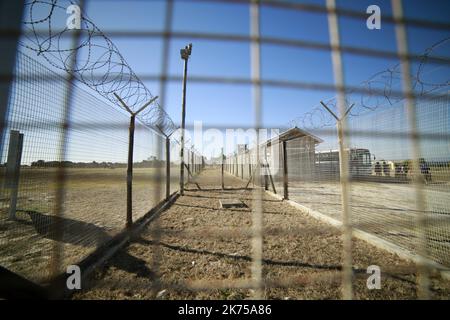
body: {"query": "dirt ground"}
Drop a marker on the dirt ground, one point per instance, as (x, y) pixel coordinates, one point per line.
(387, 210)
(195, 250)
(94, 211)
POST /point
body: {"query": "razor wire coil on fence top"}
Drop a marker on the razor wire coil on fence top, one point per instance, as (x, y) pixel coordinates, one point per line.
(100, 65)
(382, 90)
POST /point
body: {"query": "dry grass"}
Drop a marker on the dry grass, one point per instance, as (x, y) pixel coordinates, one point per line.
(94, 211)
(196, 250)
(387, 210)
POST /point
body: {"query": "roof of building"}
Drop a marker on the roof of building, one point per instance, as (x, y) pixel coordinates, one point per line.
(291, 134)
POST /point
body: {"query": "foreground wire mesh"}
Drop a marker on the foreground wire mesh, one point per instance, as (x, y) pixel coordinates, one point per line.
(394, 185)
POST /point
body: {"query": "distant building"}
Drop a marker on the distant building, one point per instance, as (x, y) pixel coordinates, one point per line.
(301, 146)
(242, 148)
(215, 160)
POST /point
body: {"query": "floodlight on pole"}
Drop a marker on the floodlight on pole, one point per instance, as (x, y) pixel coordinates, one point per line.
(185, 54)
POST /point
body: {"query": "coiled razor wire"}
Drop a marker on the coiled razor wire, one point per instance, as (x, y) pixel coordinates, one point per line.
(369, 98)
(101, 57)
(100, 65)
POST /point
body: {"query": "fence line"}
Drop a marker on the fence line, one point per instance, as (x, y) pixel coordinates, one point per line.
(381, 185)
(92, 208)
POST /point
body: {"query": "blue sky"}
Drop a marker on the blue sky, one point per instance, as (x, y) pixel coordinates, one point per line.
(231, 105)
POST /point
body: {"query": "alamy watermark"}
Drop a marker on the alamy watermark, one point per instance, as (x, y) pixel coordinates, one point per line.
(73, 281)
(374, 280)
(235, 142)
(73, 22)
(374, 20)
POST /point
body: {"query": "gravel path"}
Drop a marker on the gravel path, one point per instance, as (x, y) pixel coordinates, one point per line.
(195, 244)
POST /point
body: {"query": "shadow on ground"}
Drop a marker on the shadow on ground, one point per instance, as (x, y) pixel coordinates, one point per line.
(67, 230)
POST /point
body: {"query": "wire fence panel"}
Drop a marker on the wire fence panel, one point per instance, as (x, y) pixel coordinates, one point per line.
(384, 200)
(95, 174)
(148, 170)
(174, 166)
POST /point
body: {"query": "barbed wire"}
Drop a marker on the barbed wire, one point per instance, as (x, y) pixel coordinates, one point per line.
(99, 64)
(369, 98)
(97, 55)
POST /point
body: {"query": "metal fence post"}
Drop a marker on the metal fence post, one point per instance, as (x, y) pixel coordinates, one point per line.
(167, 168)
(13, 170)
(266, 178)
(193, 161)
(130, 171)
(266, 171)
(285, 171)
(242, 166)
(188, 164)
(232, 164)
(223, 165)
(249, 164)
(133, 115)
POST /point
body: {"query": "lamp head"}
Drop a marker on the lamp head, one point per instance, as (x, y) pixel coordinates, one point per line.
(186, 52)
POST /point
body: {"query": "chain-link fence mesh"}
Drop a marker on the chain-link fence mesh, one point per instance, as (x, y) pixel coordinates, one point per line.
(95, 172)
(383, 169)
(382, 196)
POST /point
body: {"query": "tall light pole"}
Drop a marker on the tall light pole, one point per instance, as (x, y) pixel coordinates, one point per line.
(185, 54)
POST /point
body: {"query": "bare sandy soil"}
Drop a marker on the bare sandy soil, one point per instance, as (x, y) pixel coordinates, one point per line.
(195, 250)
(94, 211)
(387, 210)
